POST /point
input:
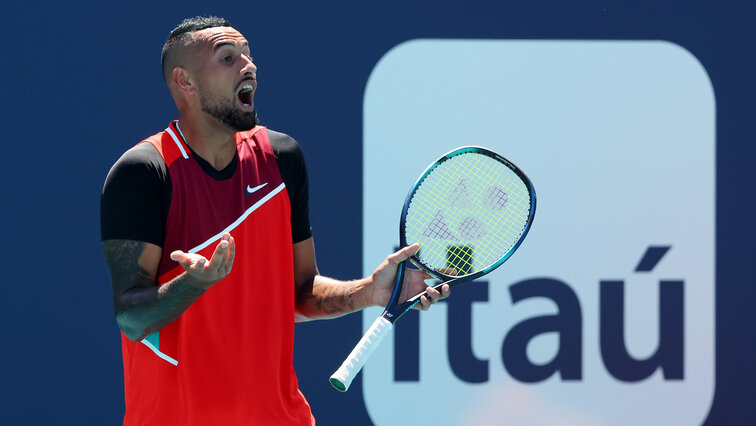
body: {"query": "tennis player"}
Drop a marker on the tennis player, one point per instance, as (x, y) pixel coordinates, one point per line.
(206, 234)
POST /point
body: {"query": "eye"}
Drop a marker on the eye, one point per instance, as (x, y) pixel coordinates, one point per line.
(228, 58)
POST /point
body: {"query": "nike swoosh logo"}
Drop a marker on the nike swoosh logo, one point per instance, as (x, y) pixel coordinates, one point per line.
(251, 190)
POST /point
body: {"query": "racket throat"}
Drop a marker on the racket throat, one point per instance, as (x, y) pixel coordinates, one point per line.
(392, 313)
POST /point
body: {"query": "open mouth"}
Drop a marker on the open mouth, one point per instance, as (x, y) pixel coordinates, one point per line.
(245, 94)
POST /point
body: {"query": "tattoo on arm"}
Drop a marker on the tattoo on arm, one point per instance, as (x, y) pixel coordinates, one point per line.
(141, 306)
(122, 258)
(333, 298)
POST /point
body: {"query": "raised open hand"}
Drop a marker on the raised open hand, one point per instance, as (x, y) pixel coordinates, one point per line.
(204, 273)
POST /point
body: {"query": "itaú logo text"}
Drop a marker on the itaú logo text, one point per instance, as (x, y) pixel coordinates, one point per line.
(567, 324)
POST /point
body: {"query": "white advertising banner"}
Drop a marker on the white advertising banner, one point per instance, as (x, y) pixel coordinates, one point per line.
(605, 315)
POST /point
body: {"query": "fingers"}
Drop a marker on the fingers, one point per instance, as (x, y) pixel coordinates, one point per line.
(188, 260)
(432, 296)
(220, 255)
(403, 254)
(213, 270)
(231, 254)
(178, 256)
(449, 271)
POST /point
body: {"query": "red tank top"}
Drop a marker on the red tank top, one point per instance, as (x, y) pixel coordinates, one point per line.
(228, 359)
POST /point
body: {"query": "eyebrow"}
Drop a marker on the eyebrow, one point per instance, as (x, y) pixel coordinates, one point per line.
(217, 47)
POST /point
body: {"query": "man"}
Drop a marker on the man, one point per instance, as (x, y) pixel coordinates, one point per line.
(206, 235)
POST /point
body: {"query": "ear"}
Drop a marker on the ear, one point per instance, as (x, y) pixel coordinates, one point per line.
(183, 80)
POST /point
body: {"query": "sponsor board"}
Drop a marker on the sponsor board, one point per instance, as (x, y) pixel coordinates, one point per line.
(605, 315)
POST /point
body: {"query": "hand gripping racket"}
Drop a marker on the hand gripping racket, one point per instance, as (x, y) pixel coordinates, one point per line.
(470, 210)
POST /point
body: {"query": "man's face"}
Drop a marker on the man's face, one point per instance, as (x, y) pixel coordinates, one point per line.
(227, 77)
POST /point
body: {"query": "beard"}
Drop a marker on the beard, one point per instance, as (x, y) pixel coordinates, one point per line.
(228, 113)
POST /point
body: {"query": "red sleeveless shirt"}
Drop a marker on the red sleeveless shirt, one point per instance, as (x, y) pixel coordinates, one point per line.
(227, 360)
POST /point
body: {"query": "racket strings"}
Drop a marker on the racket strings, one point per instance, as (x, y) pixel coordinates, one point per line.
(469, 210)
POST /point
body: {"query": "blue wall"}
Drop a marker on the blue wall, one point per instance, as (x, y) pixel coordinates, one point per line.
(81, 83)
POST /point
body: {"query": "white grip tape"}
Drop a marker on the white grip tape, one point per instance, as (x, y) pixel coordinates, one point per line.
(343, 377)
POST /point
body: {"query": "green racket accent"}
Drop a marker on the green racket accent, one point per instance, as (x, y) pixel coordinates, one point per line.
(468, 212)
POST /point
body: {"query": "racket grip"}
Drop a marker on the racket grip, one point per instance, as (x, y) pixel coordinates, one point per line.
(343, 377)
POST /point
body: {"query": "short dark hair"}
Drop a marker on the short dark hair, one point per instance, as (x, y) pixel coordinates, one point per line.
(181, 35)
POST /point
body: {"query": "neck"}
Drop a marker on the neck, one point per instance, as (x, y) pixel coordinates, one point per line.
(210, 139)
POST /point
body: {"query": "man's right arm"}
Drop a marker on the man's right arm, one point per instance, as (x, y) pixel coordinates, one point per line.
(142, 307)
(135, 198)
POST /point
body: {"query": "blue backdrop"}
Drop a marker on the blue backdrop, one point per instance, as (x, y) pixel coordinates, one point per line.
(81, 83)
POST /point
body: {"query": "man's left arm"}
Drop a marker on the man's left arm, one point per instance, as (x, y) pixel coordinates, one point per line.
(318, 296)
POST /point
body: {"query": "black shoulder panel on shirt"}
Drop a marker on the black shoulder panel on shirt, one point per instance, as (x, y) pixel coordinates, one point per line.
(135, 198)
(291, 163)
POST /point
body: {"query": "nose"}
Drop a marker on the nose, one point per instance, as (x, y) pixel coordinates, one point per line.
(249, 66)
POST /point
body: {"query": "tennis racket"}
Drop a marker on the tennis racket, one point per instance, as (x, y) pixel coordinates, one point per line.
(470, 211)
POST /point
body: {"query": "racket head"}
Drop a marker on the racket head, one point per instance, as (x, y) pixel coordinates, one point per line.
(470, 211)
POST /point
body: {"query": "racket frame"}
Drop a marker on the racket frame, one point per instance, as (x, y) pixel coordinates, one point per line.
(382, 325)
(395, 310)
